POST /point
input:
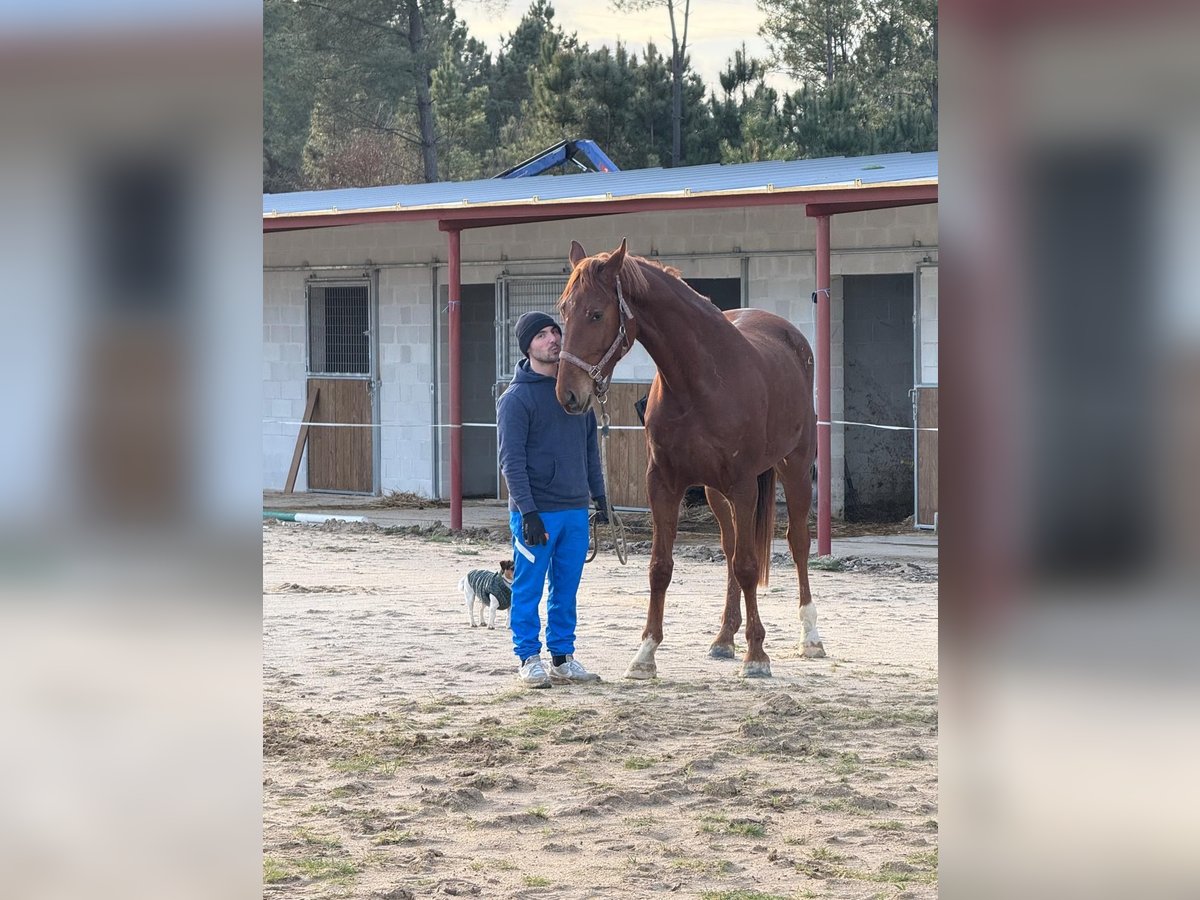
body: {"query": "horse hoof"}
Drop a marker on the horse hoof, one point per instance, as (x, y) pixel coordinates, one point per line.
(814, 651)
(721, 651)
(755, 669)
(641, 671)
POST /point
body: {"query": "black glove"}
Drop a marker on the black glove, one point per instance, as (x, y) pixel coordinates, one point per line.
(602, 510)
(535, 531)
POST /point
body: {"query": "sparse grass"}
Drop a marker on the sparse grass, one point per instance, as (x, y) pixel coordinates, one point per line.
(316, 809)
(392, 837)
(311, 839)
(365, 762)
(847, 764)
(741, 894)
(837, 804)
(886, 716)
(889, 825)
(535, 722)
(926, 858)
(536, 881)
(321, 868)
(492, 865)
(538, 812)
(642, 821)
(459, 551)
(549, 715)
(639, 762)
(824, 854)
(273, 871)
(703, 866)
(721, 825)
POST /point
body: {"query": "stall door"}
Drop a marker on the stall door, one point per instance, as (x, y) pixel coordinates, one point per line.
(341, 445)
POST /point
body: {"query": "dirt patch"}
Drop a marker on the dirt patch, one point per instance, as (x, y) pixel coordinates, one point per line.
(401, 758)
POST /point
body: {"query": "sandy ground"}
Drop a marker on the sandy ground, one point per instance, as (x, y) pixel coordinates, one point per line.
(402, 758)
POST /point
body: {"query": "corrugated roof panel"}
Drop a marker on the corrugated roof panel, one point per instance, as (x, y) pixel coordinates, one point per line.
(716, 178)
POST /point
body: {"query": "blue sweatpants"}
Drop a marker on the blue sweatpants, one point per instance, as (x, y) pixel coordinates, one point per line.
(562, 558)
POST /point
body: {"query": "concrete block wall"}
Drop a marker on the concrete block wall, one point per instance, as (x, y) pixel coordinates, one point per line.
(927, 295)
(406, 389)
(779, 241)
(283, 365)
(404, 319)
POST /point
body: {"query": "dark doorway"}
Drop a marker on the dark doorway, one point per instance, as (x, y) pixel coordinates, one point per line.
(878, 347)
(725, 293)
(478, 322)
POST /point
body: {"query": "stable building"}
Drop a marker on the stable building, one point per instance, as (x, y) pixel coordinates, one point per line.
(388, 316)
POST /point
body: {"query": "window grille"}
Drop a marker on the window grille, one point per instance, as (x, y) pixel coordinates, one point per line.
(514, 297)
(339, 330)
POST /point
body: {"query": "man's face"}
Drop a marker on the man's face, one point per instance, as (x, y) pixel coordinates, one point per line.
(546, 345)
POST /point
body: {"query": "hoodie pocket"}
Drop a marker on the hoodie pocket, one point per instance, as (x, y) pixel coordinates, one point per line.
(542, 474)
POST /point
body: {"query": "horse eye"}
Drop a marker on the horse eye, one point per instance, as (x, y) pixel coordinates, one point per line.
(597, 315)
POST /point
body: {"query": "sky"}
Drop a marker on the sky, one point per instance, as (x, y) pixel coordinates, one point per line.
(716, 29)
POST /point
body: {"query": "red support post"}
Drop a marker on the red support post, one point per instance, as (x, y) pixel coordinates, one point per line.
(824, 406)
(455, 380)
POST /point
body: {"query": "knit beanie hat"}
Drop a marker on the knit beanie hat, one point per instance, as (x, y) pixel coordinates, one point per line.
(529, 325)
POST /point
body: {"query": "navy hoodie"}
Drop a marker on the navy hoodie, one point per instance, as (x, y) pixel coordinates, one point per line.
(550, 459)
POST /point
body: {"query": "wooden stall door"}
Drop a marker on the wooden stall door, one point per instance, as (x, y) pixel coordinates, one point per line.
(340, 459)
(927, 455)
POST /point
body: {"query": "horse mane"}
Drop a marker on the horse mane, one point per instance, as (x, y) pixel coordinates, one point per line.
(633, 279)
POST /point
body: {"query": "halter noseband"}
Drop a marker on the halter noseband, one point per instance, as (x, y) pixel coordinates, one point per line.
(601, 383)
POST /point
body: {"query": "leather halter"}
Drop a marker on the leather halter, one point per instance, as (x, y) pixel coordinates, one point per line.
(601, 383)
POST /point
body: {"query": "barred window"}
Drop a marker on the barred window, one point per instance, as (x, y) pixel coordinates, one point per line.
(339, 330)
(515, 297)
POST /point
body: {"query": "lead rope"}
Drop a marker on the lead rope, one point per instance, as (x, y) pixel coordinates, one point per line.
(616, 524)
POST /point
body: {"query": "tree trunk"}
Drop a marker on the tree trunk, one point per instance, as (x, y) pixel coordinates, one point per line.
(424, 83)
(677, 110)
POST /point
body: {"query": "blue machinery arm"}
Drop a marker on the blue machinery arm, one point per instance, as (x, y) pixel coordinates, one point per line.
(585, 154)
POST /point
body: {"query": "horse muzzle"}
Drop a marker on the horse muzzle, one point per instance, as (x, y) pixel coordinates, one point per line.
(573, 403)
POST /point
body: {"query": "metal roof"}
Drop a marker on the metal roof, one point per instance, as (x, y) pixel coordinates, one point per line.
(689, 181)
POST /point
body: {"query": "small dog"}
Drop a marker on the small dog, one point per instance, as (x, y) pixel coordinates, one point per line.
(493, 590)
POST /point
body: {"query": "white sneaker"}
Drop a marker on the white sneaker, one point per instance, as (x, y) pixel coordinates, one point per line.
(571, 672)
(533, 673)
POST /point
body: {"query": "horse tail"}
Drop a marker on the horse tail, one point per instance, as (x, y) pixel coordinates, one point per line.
(764, 524)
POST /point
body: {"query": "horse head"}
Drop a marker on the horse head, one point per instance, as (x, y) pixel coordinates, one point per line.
(598, 327)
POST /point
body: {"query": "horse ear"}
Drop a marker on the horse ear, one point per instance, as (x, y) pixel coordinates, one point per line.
(578, 254)
(615, 260)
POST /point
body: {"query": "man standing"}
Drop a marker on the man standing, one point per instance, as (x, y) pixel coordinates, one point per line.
(551, 463)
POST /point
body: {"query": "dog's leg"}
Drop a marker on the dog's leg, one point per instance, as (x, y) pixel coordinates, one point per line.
(492, 604)
(468, 600)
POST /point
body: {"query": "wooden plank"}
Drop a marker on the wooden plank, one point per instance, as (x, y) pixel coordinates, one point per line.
(340, 459)
(627, 458)
(927, 455)
(301, 438)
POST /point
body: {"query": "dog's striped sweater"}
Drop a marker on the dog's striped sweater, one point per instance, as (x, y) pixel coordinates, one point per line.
(490, 584)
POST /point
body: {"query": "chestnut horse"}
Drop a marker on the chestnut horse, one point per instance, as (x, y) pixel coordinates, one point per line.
(731, 408)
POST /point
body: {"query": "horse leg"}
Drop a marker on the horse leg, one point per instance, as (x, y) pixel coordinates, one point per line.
(731, 618)
(744, 498)
(794, 472)
(664, 508)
